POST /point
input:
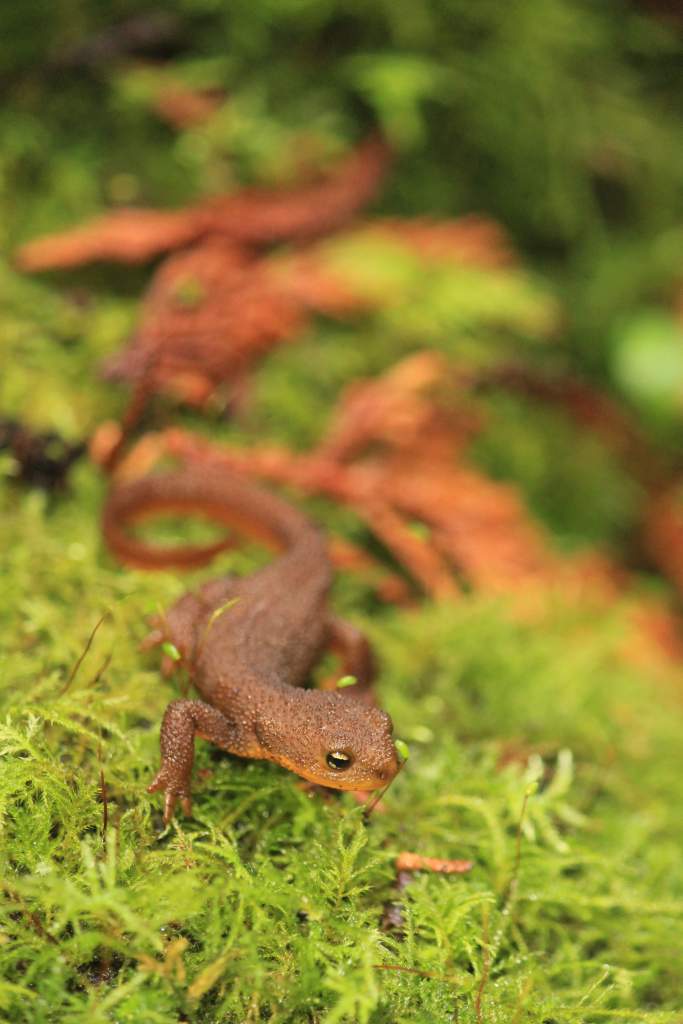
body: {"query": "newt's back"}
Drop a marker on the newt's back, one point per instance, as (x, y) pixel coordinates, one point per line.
(276, 626)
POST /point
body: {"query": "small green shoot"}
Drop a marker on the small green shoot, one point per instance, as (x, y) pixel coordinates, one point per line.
(346, 681)
(402, 749)
(211, 621)
(171, 650)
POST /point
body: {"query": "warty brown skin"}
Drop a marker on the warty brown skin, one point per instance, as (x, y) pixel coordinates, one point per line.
(249, 644)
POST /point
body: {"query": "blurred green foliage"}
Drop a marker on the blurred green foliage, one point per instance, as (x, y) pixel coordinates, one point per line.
(560, 119)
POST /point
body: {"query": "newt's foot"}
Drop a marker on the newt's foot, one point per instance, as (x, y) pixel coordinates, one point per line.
(174, 793)
(183, 720)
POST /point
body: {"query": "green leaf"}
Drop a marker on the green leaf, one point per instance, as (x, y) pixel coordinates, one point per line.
(171, 650)
(346, 681)
(402, 748)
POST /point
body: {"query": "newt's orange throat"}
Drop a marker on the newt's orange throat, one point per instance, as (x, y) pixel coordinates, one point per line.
(249, 662)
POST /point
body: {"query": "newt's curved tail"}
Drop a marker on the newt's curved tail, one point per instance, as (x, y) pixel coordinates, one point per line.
(211, 491)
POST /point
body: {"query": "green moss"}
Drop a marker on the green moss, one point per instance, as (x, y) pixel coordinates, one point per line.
(268, 901)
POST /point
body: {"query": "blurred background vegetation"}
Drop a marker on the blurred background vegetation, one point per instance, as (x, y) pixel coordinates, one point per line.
(560, 119)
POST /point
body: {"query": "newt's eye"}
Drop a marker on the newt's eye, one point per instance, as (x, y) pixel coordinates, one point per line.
(338, 760)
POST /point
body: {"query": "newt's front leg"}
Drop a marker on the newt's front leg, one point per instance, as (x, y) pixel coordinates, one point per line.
(183, 720)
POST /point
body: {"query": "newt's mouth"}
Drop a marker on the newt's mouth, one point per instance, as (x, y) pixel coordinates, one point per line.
(352, 781)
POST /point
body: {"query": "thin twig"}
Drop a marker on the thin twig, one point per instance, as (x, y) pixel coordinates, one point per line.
(30, 915)
(101, 670)
(514, 879)
(105, 806)
(80, 659)
(372, 803)
(414, 970)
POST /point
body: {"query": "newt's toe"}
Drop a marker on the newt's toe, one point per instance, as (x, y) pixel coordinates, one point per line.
(157, 783)
(169, 805)
(172, 796)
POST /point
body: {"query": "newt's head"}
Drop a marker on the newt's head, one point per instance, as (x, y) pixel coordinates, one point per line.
(332, 740)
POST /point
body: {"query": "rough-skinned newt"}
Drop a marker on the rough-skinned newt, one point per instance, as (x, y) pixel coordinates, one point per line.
(250, 643)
